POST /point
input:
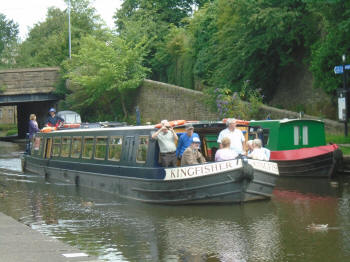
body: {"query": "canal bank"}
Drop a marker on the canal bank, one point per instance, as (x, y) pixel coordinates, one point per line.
(20, 243)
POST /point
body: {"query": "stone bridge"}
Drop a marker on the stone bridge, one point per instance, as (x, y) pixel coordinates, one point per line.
(31, 90)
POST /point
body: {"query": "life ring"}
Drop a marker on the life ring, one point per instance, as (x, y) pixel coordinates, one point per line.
(48, 129)
(71, 126)
(172, 123)
(238, 121)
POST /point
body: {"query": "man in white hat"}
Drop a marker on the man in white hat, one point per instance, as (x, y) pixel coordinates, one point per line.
(167, 138)
(192, 156)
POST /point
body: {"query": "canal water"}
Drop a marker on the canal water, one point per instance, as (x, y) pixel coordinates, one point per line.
(306, 220)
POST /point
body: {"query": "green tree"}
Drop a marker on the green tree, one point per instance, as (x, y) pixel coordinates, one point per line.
(101, 76)
(255, 41)
(47, 42)
(8, 41)
(153, 19)
(334, 31)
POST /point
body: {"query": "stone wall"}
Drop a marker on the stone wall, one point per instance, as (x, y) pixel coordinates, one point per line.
(159, 101)
(331, 126)
(8, 115)
(28, 80)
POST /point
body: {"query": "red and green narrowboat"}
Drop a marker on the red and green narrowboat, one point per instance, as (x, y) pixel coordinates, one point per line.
(299, 147)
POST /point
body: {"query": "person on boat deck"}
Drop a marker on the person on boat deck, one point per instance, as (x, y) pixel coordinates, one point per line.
(234, 134)
(53, 120)
(167, 138)
(185, 140)
(192, 156)
(225, 153)
(249, 147)
(267, 152)
(258, 152)
(33, 126)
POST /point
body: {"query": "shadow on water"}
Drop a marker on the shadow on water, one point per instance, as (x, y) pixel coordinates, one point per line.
(115, 229)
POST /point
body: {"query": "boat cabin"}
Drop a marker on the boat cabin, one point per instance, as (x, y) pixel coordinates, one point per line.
(287, 134)
(124, 145)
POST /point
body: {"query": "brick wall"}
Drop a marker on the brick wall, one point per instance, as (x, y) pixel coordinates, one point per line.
(28, 80)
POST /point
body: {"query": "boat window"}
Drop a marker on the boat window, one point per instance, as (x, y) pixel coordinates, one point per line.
(76, 147)
(142, 149)
(41, 146)
(305, 135)
(65, 146)
(100, 148)
(88, 146)
(48, 147)
(56, 146)
(266, 134)
(115, 148)
(296, 135)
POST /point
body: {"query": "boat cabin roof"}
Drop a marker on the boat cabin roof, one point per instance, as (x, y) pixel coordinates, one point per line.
(121, 145)
(286, 134)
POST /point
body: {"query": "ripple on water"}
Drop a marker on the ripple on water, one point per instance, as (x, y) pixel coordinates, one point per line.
(11, 164)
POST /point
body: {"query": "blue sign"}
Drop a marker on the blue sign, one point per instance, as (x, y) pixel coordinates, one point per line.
(339, 69)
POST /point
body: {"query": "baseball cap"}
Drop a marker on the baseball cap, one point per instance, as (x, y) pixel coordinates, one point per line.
(195, 140)
(189, 127)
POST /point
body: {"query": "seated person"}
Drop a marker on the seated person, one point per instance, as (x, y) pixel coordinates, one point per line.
(192, 156)
(185, 140)
(225, 153)
(258, 152)
(249, 147)
(267, 152)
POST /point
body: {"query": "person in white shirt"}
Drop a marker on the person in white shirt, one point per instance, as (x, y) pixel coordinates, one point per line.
(258, 152)
(234, 134)
(167, 138)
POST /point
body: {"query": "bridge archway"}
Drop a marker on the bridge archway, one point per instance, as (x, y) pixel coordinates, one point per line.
(32, 91)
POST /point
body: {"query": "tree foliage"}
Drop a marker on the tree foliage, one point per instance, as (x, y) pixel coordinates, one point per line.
(334, 24)
(8, 40)
(153, 19)
(47, 42)
(101, 75)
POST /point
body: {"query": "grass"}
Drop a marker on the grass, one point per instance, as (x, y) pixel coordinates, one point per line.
(345, 149)
(337, 139)
(12, 132)
(6, 127)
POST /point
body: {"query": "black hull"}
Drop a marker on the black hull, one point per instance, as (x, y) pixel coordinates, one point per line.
(234, 186)
(320, 166)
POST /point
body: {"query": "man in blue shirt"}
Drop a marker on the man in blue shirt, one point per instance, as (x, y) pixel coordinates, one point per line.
(185, 140)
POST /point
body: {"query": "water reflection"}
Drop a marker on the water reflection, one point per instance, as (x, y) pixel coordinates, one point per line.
(115, 229)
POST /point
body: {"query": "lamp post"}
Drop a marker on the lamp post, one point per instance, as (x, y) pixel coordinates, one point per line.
(69, 33)
(346, 96)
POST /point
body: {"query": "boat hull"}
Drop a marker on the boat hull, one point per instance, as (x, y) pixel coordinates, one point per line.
(320, 161)
(231, 182)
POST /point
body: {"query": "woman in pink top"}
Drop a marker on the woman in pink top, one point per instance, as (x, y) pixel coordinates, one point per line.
(225, 153)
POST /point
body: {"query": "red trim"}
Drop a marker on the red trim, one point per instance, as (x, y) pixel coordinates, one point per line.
(299, 154)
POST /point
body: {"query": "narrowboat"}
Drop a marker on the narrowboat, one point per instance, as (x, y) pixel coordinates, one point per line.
(299, 147)
(124, 160)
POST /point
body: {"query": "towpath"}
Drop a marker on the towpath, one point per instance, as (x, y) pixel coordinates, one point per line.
(19, 242)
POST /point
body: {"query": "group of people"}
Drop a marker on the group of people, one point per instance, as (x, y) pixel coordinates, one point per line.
(53, 121)
(231, 142)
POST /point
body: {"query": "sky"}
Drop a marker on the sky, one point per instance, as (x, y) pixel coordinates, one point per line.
(26, 13)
